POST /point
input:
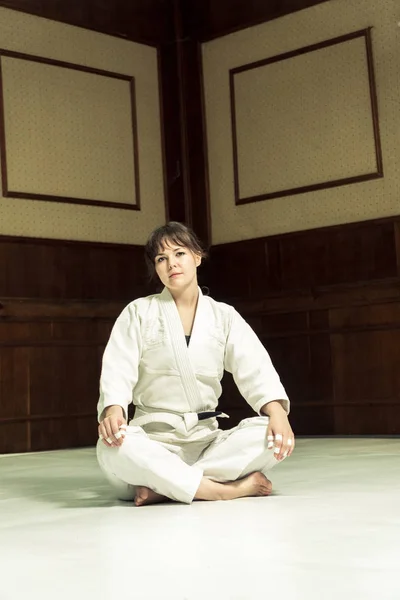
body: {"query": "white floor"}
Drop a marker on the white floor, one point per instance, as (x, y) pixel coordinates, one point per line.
(331, 530)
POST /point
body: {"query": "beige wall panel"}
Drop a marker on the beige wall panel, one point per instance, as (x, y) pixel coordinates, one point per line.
(68, 132)
(345, 204)
(280, 144)
(85, 149)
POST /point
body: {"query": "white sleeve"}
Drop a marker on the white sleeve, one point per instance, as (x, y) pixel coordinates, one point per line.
(119, 373)
(251, 367)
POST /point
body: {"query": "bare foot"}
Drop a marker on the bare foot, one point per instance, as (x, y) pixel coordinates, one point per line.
(255, 484)
(145, 495)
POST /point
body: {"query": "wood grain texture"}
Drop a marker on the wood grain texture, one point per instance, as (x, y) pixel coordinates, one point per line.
(49, 374)
(58, 303)
(183, 125)
(327, 308)
(62, 269)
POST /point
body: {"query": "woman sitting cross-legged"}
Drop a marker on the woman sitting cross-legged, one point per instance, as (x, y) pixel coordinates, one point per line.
(167, 354)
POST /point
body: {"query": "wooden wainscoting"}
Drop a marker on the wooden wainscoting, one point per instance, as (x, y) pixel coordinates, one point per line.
(58, 302)
(50, 357)
(326, 304)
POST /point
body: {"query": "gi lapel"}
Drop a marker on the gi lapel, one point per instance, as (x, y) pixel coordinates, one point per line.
(179, 346)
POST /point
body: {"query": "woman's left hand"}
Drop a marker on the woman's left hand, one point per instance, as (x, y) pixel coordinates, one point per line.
(279, 432)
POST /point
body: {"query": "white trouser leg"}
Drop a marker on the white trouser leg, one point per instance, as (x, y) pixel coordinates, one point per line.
(140, 461)
(238, 452)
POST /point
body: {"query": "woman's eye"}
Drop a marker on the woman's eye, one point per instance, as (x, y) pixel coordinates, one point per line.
(180, 253)
(160, 259)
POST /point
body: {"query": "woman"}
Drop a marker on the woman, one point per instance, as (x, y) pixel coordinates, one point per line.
(167, 353)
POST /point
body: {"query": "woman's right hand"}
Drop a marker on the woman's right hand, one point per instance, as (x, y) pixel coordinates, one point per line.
(113, 427)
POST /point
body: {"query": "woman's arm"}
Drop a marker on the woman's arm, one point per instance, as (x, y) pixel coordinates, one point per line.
(120, 365)
(259, 383)
(252, 369)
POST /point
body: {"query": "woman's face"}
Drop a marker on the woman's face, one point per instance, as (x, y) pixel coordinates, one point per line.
(176, 266)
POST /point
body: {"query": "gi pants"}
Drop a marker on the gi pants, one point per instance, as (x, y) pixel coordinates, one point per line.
(175, 470)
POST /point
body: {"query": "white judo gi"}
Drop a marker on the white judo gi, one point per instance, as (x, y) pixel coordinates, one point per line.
(148, 361)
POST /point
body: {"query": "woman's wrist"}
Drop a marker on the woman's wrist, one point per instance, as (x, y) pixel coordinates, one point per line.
(273, 407)
(114, 409)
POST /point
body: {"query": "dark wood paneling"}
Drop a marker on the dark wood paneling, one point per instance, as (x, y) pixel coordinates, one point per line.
(69, 432)
(321, 376)
(313, 420)
(143, 21)
(148, 21)
(346, 254)
(170, 104)
(13, 437)
(58, 302)
(210, 19)
(329, 316)
(53, 389)
(195, 152)
(360, 252)
(50, 360)
(59, 269)
(14, 382)
(368, 419)
(365, 366)
(183, 124)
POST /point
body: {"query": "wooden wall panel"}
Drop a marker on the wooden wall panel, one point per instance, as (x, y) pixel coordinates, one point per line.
(144, 21)
(346, 254)
(13, 437)
(70, 432)
(366, 366)
(183, 124)
(361, 252)
(321, 377)
(367, 420)
(292, 361)
(60, 269)
(333, 334)
(213, 19)
(58, 302)
(326, 305)
(49, 375)
(14, 382)
(313, 420)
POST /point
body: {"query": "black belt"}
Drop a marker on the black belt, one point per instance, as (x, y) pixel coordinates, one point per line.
(208, 415)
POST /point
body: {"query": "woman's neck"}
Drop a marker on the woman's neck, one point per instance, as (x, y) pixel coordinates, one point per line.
(186, 298)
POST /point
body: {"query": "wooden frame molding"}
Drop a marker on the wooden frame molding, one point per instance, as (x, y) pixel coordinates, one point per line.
(52, 198)
(364, 33)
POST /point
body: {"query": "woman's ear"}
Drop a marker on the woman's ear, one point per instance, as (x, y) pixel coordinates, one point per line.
(197, 258)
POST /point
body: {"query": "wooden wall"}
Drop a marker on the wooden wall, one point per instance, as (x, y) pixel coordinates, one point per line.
(209, 19)
(144, 21)
(326, 304)
(58, 301)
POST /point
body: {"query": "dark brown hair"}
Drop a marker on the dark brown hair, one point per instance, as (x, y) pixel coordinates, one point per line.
(175, 233)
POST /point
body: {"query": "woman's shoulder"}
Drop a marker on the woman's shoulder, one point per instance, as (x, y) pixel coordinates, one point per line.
(220, 307)
(139, 306)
